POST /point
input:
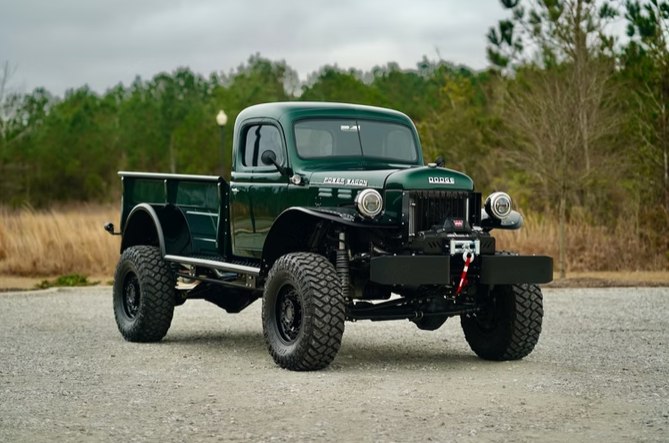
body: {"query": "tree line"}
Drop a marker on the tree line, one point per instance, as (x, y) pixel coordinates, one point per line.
(570, 118)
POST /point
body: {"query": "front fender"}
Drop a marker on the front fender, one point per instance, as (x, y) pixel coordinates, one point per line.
(513, 222)
(343, 215)
(295, 229)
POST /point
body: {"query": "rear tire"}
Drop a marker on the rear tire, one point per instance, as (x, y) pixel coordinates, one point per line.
(303, 312)
(509, 326)
(144, 294)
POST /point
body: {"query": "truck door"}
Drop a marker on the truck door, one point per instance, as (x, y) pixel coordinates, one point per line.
(257, 191)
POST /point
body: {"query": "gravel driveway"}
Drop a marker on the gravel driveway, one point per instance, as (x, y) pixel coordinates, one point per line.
(600, 373)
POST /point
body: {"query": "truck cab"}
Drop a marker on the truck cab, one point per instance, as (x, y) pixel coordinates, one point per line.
(330, 214)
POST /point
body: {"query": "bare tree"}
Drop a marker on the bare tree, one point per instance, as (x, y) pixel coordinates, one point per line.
(561, 109)
(553, 32)
(541, 112)
(6, 73)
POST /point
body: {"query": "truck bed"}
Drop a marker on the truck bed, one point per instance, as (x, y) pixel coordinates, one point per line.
(197, 197)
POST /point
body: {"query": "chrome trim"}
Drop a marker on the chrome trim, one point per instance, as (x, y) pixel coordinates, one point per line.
(210, 214)
(461, 246)
(490, 205)
(155, 175)
(412, 216)
(210, 240)
(417, 202)
(467, 208)
(359, 202)
(229, 267)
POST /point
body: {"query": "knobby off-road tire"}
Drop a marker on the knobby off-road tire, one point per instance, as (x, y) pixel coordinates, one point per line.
(144, 294)
(303, 312)
(509, 326)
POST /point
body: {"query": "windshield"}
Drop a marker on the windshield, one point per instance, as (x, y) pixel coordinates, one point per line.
(354, 138)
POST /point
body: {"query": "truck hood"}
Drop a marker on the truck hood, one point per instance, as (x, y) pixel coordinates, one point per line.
(426, 177)
(423, 177)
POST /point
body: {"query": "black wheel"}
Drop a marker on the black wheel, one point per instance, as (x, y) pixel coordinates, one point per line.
(303, 312)
(144, 294)
(430, 323)
(509, 325)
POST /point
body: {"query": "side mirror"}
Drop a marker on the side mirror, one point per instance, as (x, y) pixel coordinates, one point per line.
(269, 158)
(440, 162)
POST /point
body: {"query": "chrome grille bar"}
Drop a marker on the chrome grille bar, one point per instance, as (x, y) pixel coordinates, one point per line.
(429, 208)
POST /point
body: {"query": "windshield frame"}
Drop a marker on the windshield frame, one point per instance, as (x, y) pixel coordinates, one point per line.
(359, 158)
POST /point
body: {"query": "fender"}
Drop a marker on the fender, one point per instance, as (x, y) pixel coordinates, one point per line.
(293, 229)
(144, 226)
(513, 222)
(342, 215)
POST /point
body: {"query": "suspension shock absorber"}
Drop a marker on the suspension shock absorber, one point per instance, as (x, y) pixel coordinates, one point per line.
(342, 264)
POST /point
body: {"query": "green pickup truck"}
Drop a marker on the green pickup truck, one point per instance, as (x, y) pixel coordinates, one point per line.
(330, 215)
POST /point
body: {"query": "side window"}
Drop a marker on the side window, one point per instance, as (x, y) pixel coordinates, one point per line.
(261, 138)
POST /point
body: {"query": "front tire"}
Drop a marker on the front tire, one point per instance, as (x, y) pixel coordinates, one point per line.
(144, 294)
(303, 312)
(509, 326)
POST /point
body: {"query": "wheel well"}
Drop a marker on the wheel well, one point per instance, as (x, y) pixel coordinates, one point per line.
(294, 231)
(162, 226)
(141, 229)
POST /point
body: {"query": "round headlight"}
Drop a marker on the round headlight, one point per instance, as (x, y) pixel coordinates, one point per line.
(369, 202)
(498, 205)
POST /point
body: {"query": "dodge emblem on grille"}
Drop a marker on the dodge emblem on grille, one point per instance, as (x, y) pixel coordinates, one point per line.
(458, 223)
(441, 180)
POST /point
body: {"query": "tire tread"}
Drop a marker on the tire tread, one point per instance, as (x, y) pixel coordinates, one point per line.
(324, 312)
(520, 334)
(157, 286)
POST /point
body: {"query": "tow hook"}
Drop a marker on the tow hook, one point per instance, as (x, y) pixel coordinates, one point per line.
(468, 256)
(469, 250)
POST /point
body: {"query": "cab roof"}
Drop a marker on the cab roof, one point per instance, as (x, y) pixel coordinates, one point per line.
(286, 112)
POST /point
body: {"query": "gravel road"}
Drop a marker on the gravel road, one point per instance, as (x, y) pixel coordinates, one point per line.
(600, 373)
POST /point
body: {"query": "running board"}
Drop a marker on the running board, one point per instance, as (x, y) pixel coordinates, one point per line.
(222, 266)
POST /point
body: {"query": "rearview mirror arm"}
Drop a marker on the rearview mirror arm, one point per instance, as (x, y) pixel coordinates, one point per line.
(282, 169)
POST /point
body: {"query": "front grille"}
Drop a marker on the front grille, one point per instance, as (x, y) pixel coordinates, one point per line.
(429, 208)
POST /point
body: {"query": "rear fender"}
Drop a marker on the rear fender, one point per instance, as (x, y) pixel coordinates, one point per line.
(164, 226)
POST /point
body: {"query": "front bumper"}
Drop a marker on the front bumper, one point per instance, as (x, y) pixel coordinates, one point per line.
(421, 270)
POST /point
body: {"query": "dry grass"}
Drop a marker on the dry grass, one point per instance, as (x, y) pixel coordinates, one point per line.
(71, 240)
(57, 242)
(588, 248)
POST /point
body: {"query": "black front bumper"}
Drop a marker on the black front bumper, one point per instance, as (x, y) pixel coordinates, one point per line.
(421, 270)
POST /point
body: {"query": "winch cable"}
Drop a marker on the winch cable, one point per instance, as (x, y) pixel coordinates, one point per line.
(468, 256)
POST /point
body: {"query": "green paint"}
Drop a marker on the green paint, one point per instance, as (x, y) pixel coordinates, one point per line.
(258, 194)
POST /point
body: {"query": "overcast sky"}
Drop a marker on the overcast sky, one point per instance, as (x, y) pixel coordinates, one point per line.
(62, 44)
